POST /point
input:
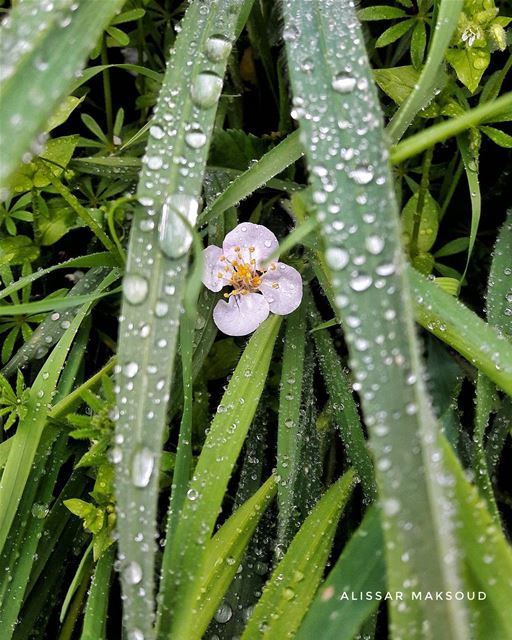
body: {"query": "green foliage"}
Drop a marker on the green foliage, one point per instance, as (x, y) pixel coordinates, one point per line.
(163, 480)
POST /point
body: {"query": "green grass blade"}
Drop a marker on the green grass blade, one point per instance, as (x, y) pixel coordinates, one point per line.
(488, 556)
(430, 136)
(368, 275)
(221, 561)
(289, 437)
(39, 72)
(95, 617)
(52, 328)
(185, 551)
(499, 292)
(344, 408)
(154, 285)
(26, 440)
(424, 90)
(293, 584)
(452, 322)
(359, 569)
(260, 173)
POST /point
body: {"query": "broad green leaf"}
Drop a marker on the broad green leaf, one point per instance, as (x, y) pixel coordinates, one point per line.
(380, 12)
(39, 72)
(295, 579)
(63, 111)
(469, 64)
(452, 248)
(17, 250)
(499, 137)
(359, 570)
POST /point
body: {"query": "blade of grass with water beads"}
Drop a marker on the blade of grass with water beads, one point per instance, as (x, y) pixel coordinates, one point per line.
(360, 569)
(345, 146)
(292, 586)
(169, 189)
(38, 73)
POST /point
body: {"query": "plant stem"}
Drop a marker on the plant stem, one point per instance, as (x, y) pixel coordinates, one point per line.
(107, 91)
(427, 138)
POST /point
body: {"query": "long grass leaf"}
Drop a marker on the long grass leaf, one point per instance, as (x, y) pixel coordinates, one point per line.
(26, 440)
(359, 570)
(423, 92)
(352, 189)
(37, 73)
(169, 190)
(222, 558)
(295, 579)
(184, 553)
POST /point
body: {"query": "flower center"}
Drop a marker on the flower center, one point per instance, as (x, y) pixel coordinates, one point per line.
(243, 276)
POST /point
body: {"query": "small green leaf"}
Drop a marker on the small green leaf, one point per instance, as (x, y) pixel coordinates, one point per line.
(17, 250)
(418, 44)
(392, 34)
(381, 12)
(453, 247)
(64, 110)
(499, 137)
(429, 221)
(469, 65)
(56, 221)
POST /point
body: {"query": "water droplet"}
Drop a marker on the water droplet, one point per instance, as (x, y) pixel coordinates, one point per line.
(206, 89)
(223, 613)
(156, 131)
(374, 244)
(192, 494)
(361, 282)
(343, 83)
(217, 48)
(135, 288)
(142, 467)
(391, 506)
(362, 174)
(154, 162)
(174, 235)
(135, 634)
(132, 573)
(161, 309)
(195, 138)
(337, 258)
(130, 369)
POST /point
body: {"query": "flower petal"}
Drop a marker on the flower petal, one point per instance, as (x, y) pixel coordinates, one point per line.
(246, 235)
(282, 287)
(241, 315)
(212, 266)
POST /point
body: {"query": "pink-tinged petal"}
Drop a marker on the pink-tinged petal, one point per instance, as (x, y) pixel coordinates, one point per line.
(241, 315)
(248, 235)
(212, 267)
(282, 287)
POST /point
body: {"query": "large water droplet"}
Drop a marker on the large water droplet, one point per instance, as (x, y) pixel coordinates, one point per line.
(195, 138)
(217, 48)
(206, 89)
(362, 174)
(135, 634)
(337, 258)
(132, 573)
(343, 83)
(174, 235)
(142, 467)
(374, 244)
(130, 369)
(223, 613)
(135, 288)
(360, 282)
